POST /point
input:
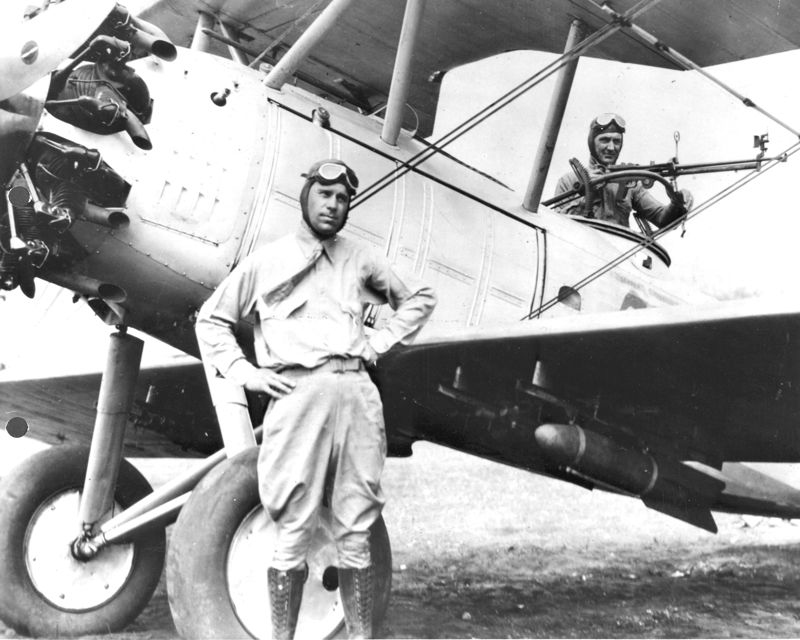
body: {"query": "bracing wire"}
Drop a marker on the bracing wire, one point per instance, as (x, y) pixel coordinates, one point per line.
(651, 41)
(279, 40)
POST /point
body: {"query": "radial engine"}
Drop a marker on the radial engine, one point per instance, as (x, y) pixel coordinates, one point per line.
(50, 181)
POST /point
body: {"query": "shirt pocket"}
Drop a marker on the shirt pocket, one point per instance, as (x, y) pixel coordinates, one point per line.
(280, 310)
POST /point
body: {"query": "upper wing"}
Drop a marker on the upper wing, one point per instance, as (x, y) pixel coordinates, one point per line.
(357, 57)
(711, 384)
(172, 411)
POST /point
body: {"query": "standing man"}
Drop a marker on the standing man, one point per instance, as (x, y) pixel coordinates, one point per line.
(323, 430)
(615, 201)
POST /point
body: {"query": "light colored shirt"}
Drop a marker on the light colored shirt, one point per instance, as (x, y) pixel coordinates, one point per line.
(614, 201)
(307, 309)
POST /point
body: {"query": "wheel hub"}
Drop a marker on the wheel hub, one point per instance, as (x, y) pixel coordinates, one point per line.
(321, 613)
(65, 581)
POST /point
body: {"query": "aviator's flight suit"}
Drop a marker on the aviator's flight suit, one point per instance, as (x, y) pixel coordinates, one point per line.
(308, 298)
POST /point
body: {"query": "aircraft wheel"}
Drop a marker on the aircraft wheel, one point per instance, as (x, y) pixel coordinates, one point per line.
(218, 556)
(45, 590)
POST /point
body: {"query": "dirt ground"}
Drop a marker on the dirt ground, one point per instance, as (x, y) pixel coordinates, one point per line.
(481, 550)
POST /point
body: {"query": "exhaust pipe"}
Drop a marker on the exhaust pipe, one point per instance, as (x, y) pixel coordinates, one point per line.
(152, 39)
(103, 115)
(104, 299)
(112, 217)
(136, 130)
(142, 35)
(88, 287)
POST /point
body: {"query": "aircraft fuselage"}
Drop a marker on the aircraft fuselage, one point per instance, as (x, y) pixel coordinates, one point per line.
(221, 181)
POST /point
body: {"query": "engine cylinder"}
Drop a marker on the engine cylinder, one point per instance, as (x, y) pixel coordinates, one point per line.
(25, 218)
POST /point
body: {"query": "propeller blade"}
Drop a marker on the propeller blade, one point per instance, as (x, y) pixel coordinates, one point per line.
(30, 49)
(25, 274)
(19, 116)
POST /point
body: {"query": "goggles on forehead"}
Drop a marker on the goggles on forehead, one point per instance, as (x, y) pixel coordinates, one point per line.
(606, 119)
(330, 172)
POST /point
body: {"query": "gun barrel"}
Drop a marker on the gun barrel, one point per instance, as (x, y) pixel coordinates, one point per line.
(670, 169)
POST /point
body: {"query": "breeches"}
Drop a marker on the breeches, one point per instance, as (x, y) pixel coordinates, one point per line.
(325, 439)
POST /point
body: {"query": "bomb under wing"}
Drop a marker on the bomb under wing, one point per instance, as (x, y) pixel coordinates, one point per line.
(663, 484)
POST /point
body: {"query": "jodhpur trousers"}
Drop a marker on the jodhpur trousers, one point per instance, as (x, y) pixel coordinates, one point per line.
(324, 439)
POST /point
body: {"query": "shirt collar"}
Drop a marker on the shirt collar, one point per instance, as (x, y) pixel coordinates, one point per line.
(310, 243)
(596, 165)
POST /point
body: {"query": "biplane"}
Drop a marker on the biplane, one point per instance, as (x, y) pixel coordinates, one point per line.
(145, 154)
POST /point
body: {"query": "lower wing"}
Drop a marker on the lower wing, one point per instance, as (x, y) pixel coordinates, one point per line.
(653, 396)
(172, 414)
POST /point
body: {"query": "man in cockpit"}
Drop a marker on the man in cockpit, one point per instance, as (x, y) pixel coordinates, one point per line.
(614, 201)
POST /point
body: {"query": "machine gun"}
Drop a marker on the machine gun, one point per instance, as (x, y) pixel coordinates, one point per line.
(648, 174)
(673, 168)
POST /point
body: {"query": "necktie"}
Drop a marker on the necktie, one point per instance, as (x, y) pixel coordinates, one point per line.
(281, 291)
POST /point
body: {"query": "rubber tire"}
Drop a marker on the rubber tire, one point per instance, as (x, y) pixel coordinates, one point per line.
(22, 607)
(198, 551)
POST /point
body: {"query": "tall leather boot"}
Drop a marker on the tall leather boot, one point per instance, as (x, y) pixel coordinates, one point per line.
(356, 587)
(285, 596)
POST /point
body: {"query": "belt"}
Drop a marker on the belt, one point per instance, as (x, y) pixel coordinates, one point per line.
(333, 365)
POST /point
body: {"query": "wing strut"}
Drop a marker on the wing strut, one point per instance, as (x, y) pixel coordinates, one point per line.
(299, 51)
(552, 124)
(235, 52)
(201, 41)
(401, 77)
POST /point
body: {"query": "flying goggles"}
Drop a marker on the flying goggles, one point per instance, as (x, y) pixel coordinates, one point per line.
(605, 120)
(330, 172)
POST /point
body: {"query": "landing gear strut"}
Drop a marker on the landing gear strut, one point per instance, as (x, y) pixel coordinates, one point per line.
(56, 582)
